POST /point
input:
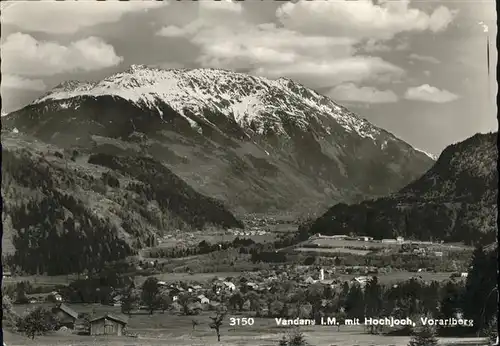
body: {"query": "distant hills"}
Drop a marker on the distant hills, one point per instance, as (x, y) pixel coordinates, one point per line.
(456, 200)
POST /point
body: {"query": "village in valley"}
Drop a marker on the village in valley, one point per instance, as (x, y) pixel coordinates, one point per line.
(319, 276)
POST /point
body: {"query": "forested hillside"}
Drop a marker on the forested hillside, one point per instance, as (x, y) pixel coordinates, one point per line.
(456, 200)
(64, 212)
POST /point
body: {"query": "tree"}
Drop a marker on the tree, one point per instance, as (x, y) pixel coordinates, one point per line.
(491, 332)
(217, 323)
(185, 300)
(86, 323)
(163, 301)
(355, 305)
(341, 316)
(195, 323)
(295, 338)
(373, 300)
(37, 322)
(130, 301)
(21, 297)
(150, 292)
(236, 300)
(480, 300)
(425, 336)
(9, 314)
(450, 301)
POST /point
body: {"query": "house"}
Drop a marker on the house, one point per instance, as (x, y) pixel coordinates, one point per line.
(7, 274)
(309, 280)
(389, 241)
(203, 300)
(438, 254)
(107, 325)
(55, 296)
(117, 300)
(400, 239)
(252, 285)
(65, 315)
(229, 285)
(365, 238)
(464, 275)
(362, 280)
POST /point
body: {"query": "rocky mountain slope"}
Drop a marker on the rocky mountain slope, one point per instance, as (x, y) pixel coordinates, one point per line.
(257, 144)
(64, 211)
(456, 200)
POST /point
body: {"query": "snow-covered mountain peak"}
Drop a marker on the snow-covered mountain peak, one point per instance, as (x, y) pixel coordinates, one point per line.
(254, 102)
(72, 86)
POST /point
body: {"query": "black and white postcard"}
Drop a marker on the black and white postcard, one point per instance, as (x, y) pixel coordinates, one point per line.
(254, 173)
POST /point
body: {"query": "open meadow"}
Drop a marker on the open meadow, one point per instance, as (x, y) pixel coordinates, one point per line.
(174, 330)
(212, 237)
(377, 245)
(338, 250)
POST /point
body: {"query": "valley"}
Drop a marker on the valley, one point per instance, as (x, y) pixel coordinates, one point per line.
(162, 197)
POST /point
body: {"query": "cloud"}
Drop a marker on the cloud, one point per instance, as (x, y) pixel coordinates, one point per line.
(373, 46)
(362, 18)
(172, 31)
(351, 92)
(429, 93)
(10, 81)
(24, 55)
(424, 58)
(333, 72)
(66, 17)
(224, 6)
(274, 51)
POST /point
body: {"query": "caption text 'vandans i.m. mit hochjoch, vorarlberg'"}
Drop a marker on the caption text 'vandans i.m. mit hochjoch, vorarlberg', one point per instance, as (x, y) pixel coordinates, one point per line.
(372, 321)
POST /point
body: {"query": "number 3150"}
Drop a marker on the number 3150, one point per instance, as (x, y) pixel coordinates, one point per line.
(243, 321)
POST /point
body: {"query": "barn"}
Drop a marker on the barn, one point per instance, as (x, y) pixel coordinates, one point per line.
(65, 315)
(107, 325)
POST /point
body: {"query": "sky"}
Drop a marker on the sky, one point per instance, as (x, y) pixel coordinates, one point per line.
(415, 68)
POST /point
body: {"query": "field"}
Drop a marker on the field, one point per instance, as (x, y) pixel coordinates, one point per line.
(339, 250)
(351, 243)
(194, 238)
(341, 243)
(41, 280)
(169, 329)
(398, 276)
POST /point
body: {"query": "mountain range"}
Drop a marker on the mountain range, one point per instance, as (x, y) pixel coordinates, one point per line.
(456, 200)
(258, 145)
(100, 169)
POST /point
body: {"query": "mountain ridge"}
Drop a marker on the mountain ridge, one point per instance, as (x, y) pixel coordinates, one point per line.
(225, 126)
(455, 200)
